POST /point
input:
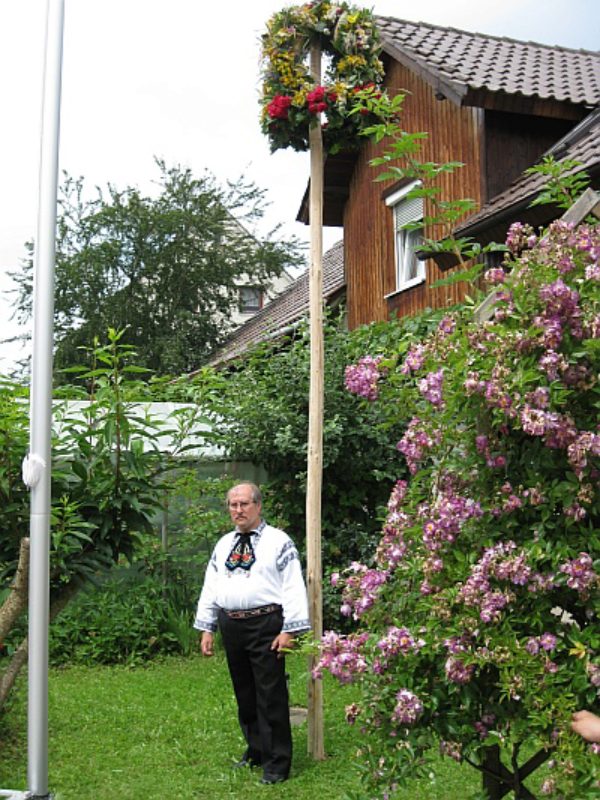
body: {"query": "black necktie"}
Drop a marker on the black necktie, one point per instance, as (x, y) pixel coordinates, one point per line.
(242, 553)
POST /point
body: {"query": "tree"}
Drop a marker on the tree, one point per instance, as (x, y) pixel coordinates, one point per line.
(166, 268)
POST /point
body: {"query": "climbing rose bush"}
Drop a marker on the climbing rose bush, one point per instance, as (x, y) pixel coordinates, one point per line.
(363, 378)
(477, 618)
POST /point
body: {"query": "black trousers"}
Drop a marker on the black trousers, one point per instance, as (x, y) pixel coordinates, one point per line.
(260, 686)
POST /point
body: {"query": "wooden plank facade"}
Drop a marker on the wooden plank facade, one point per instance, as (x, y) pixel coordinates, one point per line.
(492, 103)
(454, 135)
(494, 145)
(512, 142)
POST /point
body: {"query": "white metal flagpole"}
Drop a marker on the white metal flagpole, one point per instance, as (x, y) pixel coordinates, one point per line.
(37, 465)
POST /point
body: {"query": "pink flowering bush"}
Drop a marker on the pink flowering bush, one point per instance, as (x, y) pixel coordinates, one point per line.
(363, 378)
(477, 618)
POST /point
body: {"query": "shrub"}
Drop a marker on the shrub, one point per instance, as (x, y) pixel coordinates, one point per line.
(139, 611)
(478, 614)
(124, 620)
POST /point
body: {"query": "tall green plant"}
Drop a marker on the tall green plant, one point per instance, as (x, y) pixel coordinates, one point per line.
(401, 160)
(564, 181)
(104, 487)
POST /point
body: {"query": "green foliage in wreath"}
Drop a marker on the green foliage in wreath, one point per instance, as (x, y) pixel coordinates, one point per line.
(291, 101)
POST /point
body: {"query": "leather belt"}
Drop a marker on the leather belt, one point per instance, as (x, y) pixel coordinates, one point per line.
(248, 613)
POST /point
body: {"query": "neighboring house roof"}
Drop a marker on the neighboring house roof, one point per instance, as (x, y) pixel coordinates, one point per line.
(581, 144)
(466, 67)
(285, 310)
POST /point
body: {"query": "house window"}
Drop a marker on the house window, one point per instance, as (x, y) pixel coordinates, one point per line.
(408, 236)
(251, 299)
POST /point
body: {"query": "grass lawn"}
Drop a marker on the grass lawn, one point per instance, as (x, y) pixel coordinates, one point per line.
(168, 731)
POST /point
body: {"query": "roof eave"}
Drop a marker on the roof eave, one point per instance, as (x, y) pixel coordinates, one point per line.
(443, 88)
(518, 103)
(520, 206)
(337, 174)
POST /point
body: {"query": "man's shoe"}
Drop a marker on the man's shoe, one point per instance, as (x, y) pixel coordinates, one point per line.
(270, 777)
(246, 761)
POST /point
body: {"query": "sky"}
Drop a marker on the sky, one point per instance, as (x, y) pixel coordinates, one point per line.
(180, 80)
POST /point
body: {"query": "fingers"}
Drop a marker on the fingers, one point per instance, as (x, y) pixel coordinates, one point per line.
(282, 643)
(587, 725)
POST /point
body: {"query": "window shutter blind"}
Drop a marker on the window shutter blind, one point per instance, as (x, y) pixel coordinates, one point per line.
(410, 210)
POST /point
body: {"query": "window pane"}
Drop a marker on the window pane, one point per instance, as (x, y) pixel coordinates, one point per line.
(250, 299)
(413, 265)
(409, 266)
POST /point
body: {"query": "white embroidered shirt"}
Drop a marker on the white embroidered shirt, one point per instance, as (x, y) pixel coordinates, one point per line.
(275, 577)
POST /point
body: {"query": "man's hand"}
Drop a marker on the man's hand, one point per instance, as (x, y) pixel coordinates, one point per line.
(206, 643)
(587, 725)
(282, 642)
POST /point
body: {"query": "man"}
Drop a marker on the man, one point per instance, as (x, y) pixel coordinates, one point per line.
(255, 593)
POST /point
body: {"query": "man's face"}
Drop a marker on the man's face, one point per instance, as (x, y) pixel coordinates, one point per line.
(244, 512)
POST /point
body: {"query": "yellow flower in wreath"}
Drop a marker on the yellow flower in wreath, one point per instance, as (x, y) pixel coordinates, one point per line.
(291, 100)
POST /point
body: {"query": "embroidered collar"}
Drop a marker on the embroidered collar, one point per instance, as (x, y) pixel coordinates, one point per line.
(242, 555)
(255, 531)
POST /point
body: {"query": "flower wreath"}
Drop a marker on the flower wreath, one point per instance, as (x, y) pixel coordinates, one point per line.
(291, 101)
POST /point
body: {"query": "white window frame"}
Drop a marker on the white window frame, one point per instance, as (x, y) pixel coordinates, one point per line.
(409, 270)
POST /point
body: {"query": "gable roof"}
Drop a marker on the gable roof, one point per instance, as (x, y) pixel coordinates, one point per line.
(470, 68)
(474, 69)
(491, 222)
(286, 310)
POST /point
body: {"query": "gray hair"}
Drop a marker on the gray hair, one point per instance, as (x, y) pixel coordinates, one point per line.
(256, 493)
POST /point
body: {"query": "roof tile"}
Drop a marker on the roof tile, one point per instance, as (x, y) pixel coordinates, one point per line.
(476, 60)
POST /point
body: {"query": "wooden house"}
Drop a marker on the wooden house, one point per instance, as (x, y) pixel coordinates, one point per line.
(495, 104)
(492, 103)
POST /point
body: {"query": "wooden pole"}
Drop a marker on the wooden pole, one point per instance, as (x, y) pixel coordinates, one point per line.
(315, 422)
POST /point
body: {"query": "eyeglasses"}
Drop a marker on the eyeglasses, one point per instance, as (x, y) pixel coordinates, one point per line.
(243, 505)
